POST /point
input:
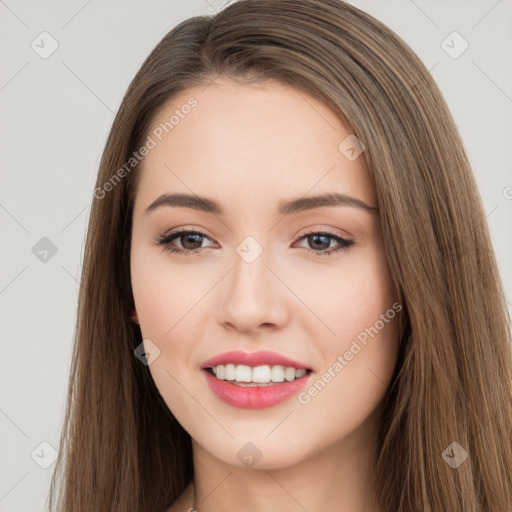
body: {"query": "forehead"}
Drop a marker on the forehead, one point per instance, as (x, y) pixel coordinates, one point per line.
(249, 139)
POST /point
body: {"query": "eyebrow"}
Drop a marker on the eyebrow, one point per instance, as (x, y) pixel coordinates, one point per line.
(207, 205)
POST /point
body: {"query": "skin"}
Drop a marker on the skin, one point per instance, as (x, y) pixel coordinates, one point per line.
(250, 147)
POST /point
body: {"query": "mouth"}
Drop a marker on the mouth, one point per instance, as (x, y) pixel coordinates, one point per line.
(254, 380)
(263, 375)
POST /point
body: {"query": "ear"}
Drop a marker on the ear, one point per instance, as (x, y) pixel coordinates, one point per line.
(134, 317)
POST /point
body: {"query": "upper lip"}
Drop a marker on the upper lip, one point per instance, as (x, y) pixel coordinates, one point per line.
(261, 357)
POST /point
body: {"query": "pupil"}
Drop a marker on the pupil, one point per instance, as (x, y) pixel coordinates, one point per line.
(190, 237)
(325, 239)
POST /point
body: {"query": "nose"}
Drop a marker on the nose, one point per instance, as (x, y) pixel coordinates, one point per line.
(253, 297)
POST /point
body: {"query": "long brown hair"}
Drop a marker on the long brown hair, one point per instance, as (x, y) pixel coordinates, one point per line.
(122, 449)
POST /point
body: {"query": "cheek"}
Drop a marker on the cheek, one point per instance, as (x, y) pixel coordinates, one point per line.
(368, 326)
(165, 293)
(343, 300)
(169, 299)
(359, 354)
(356, 374)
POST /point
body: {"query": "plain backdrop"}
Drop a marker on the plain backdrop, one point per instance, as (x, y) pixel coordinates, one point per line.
(56, 110)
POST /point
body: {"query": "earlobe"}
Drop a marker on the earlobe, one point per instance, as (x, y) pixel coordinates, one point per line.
(134, 317)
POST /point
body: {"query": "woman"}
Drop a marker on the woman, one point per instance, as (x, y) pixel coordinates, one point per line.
(289, 298)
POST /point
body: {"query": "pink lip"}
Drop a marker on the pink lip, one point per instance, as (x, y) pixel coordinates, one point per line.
(253, 397)
(253, 359)
(261, 397)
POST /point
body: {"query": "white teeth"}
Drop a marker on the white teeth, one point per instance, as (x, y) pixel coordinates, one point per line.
(277, 373)
(243, 373)
(258, 374)
(289, 374)
(261, 373)
(230, 372)
(221, 372)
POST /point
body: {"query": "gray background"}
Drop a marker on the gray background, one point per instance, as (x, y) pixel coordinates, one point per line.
(55, 116)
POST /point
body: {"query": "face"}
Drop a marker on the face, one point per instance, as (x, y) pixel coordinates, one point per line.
(272, 283)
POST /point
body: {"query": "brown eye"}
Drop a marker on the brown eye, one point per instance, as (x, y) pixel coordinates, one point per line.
(189, 242)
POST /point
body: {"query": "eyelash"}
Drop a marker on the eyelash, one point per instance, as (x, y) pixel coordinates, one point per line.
(167, 239)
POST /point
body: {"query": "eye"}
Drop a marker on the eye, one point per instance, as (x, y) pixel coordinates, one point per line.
(322, 240)
(191, 242)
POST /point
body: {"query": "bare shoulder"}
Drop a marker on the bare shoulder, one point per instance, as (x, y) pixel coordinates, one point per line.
(185, 501)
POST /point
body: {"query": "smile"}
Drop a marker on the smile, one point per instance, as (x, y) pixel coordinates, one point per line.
(259, 375)
(254, 380)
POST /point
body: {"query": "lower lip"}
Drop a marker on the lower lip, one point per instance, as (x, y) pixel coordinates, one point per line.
(254, 397)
